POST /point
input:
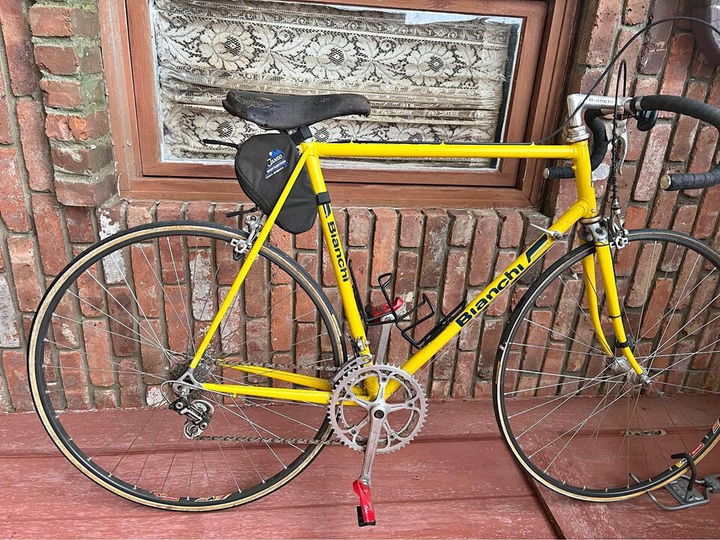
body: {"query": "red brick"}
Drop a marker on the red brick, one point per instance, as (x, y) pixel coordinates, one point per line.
(653, 160)
(483, 249)
(676, 69)
(454, 290)
(433, 256)
(16, 377)
(383, 247)
(684, 136)
(440, 389)
(170, 211)
(492, 330)
(81, 160)
(708, 214)
(152, 357)
(684, 218)
(12, 203)
(97, 350)
(49, 224)
(65, 127)
(79, 224)
(281, 322)
(131, 387)
(308, 240)
(139, 214)
(61, 93)
(704, 152)
(124, 338)
(34, 144)
(511, 229)
(57, 21)
(359, 229)
(444, 362)
(636, 11)
(663, 209)
(462, 228)
(305, 310)
(256, 289)
(6, 136)
(602, 34)
(464, 374)
(360, 263)
(177, 317)
(500, 303)
(25, 274)
(23, 76)
(655, 44)
(83, 190)
(60, 60)
(701, 67)
(147, 288)
(74, 377)
(411, 227)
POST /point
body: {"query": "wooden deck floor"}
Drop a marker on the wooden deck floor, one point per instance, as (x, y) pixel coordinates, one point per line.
(457, 480)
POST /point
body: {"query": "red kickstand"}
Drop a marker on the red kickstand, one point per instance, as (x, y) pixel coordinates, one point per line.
(366, 513)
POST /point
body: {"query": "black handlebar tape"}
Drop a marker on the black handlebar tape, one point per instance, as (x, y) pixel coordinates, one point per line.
(696, 109)
(600, 146)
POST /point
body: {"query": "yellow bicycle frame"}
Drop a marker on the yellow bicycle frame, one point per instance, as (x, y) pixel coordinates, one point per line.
(317, 390)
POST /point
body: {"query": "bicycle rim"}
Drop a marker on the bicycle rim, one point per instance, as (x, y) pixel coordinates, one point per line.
(576, 418)
(155, 289)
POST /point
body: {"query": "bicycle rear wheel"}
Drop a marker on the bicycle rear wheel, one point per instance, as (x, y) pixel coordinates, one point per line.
(125, 317)
(579, 420)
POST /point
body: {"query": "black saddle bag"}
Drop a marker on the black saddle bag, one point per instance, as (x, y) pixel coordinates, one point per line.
(263, 165)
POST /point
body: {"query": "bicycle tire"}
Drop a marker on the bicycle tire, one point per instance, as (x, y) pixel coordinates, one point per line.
(87, 464)
(504, 375)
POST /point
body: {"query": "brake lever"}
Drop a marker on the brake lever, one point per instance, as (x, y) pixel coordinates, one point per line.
(622, 137)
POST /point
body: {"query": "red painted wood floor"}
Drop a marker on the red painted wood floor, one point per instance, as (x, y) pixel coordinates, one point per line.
(457, 480)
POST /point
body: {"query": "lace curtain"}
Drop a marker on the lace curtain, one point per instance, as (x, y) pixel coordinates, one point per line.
(428, 76)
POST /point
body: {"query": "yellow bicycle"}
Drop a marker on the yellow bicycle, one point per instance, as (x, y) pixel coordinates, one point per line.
(192, 366)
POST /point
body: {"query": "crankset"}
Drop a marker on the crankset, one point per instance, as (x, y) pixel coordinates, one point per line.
(376, 424)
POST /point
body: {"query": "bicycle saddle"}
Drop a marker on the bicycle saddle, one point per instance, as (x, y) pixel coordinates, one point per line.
(287, 111)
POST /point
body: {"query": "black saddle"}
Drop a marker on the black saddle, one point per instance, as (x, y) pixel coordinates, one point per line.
(286, 111)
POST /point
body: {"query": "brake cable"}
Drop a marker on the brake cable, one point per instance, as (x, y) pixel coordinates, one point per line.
(616, 224)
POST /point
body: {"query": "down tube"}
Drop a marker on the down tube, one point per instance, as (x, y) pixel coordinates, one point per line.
(481, 302)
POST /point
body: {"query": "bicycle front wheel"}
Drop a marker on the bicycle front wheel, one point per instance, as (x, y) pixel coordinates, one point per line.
(125, 318)
(579, 420)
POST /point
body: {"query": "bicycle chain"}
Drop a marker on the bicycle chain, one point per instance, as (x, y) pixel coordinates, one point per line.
(273, 440)
(269, 365)
(265, 440)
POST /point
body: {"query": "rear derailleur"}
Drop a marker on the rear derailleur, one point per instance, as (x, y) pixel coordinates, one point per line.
(198, 413)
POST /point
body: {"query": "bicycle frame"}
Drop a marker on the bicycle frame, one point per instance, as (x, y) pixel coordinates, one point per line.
(583, 209)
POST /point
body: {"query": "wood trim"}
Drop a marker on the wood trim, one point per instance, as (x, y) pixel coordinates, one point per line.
(555, 57)
(547, 24)
(346, 194)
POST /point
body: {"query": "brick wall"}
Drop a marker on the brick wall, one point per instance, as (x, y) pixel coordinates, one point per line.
(58, 182)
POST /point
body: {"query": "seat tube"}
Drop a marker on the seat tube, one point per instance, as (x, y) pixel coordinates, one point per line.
(336, 252)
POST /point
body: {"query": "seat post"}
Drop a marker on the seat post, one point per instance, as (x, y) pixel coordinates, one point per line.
(302, 134)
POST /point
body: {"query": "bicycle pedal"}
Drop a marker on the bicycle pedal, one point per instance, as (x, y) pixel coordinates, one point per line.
(365, 512)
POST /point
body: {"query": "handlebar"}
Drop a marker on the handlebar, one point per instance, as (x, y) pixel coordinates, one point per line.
(675, 104)
(695, 109)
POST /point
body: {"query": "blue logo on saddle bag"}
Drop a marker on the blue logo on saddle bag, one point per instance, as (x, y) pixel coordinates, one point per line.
(276, 162)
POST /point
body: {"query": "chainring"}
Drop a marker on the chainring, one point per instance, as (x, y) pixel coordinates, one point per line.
(349, 413)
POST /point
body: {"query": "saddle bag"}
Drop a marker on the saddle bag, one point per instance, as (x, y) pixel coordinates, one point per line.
(263, 165)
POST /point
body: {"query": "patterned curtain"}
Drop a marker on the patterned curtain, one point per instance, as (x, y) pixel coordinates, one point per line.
(428, 76)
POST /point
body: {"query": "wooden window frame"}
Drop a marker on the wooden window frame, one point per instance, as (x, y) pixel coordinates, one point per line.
(532, 112)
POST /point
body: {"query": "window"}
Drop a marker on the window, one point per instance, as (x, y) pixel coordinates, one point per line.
(467, 73)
